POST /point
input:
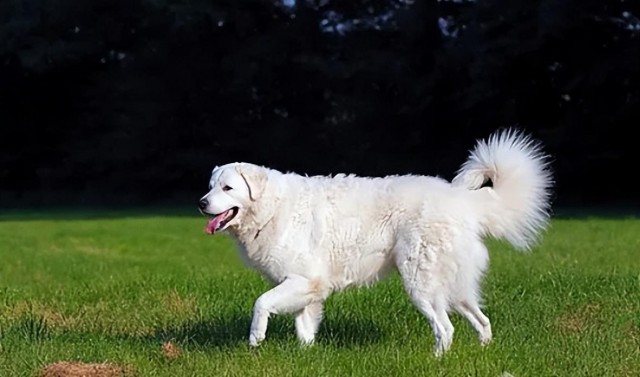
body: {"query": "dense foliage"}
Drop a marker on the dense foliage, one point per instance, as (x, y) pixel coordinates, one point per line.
(135, 101)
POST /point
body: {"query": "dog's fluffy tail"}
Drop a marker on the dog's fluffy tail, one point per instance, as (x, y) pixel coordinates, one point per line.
(516, 207)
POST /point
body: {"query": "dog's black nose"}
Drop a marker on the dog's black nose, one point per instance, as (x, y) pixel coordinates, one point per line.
(203, 203)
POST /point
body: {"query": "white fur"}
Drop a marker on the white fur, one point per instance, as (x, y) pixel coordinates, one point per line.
(315, 235)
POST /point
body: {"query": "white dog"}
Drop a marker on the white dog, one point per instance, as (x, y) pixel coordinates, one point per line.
(315, 235)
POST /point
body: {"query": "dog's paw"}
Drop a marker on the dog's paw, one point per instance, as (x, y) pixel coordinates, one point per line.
(305, 337)
(443, 344)
(308, 342)
(441, 347)
(254, 340)
(485, 337)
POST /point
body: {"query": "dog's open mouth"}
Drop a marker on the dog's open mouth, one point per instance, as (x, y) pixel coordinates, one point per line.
(220, 220)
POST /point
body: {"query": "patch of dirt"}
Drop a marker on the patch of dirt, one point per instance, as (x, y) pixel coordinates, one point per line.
(77, 369)
(170, 350)
(578, 321)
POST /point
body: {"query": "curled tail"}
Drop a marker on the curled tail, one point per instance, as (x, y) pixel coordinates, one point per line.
(517, 207)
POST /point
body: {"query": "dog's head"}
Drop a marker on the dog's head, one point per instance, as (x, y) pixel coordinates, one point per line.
(232, 189)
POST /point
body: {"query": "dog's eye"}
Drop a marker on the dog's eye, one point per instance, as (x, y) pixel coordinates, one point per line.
(227, 188)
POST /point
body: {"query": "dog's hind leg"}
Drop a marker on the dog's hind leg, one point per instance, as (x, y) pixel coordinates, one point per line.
(416, 266)
(307, 322)
(291, 296)
(480, 322)
(441, 311)
(466, 299)
(439, 321)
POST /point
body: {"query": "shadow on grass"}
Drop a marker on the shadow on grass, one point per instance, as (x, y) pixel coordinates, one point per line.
(232, 331)
(347, 333)
(222, 332)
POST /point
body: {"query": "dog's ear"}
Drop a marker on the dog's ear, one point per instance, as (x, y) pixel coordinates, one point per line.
(255, 177)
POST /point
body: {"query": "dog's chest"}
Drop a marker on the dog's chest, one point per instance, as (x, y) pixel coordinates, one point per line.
(274, 263)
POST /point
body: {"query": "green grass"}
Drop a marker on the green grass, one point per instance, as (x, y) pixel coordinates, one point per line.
(113, 288)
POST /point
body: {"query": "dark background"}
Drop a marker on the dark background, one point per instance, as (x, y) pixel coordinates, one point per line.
(133, 102)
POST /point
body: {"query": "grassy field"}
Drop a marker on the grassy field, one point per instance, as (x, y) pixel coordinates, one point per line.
(115, 287)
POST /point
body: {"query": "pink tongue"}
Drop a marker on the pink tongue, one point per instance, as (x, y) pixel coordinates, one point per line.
(212, 225)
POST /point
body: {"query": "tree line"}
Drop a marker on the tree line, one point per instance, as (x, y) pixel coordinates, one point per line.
(135, 101)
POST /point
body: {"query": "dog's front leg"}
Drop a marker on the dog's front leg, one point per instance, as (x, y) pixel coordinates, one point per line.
(291, 296)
